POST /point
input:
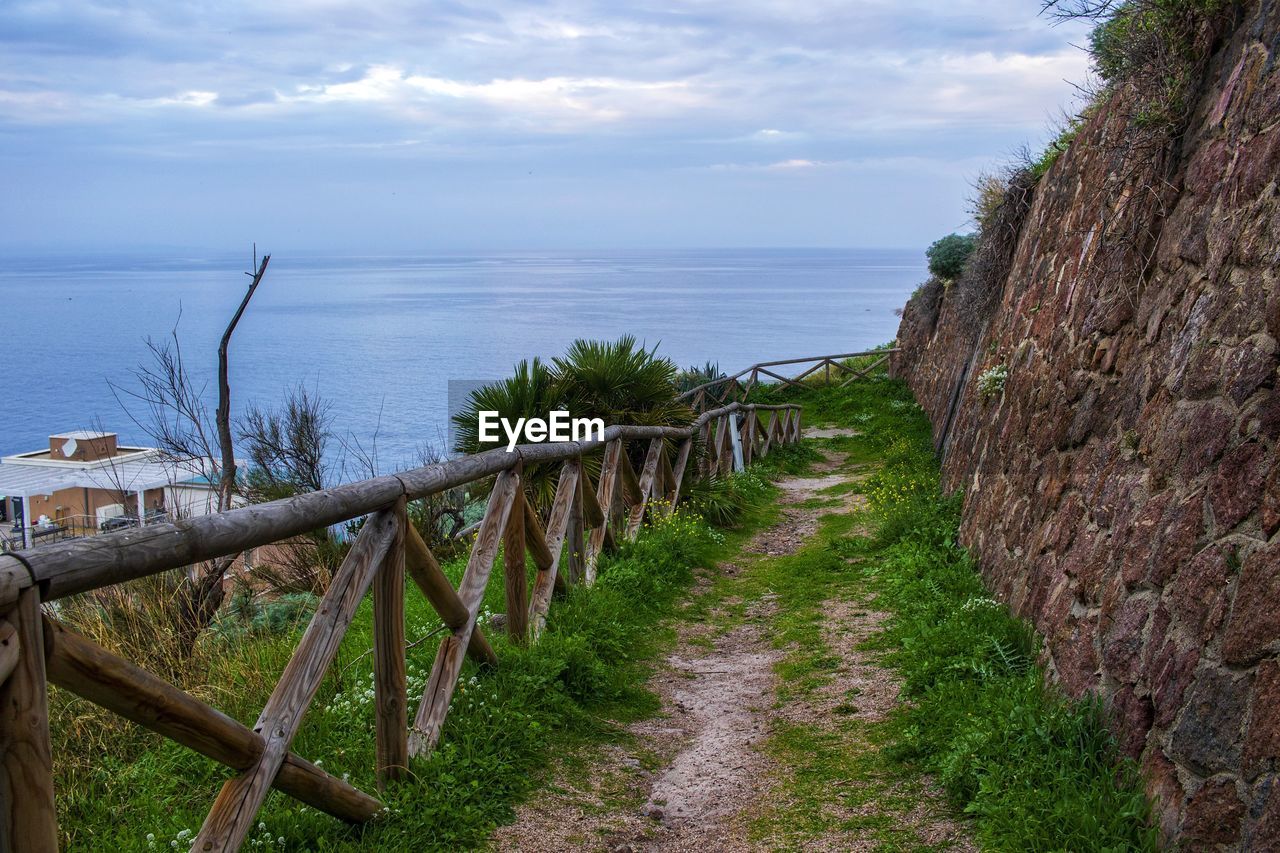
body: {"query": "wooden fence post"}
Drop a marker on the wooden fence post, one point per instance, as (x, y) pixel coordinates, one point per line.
(605, 495)
(545, 581)
(706, 464)
(444, 672)
(724, 426)
(577, 528)
(26, 783)
(392, 715)
(647, 476)
(10, 650)
(677, 471)
(667, 476)
(237, 805)
(514, 571)
(735, 442)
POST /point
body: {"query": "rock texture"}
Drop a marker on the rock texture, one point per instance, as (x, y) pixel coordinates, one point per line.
(1123, 491)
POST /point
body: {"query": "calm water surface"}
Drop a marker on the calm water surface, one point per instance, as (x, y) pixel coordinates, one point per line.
(380, 337)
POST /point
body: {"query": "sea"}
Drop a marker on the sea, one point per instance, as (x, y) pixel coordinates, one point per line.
(381, 338)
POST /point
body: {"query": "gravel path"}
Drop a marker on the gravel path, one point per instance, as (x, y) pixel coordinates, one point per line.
(693, 777)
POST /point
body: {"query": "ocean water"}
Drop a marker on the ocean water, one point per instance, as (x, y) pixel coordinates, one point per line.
(380, 338)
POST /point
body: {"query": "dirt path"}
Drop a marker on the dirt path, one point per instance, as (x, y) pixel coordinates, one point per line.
(698, 775)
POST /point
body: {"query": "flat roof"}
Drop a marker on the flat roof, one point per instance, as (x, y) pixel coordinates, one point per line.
(82, 434)
(45, 456)
(131, 475)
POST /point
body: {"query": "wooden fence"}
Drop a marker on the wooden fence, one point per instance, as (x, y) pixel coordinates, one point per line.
(727, 389)
(584, 519)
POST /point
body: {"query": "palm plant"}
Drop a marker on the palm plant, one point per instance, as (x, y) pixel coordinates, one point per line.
(531, 391)
(620, 382)
(692, 377)
(623, 383)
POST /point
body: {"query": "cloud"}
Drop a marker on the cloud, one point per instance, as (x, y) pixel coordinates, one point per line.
(190, 98)
(773, 135)
(589, 98)
(796, 164)
(584, 90)
(882, 165)
(767, 71)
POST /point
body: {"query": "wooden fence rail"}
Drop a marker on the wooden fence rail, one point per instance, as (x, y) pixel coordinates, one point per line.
(584, 519)
(727, 389)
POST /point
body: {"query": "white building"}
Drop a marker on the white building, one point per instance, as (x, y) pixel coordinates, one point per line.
(87, 483)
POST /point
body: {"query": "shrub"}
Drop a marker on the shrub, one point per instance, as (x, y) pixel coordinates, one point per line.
(725, 501)
(269, 616)
(947, 257)
(692, 377)
(1055, 148)
(988, 195)
(991, 381)
(1160, 47)
(619, 381)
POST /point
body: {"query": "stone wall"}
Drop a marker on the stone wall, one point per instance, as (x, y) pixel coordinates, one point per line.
(1123, 491)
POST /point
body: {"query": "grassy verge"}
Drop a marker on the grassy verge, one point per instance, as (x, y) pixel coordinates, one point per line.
(121, 788)
(1033, 769)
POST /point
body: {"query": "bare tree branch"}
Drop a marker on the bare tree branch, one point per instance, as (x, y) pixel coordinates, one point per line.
(366, 458)
(177, 421)
(227, 480)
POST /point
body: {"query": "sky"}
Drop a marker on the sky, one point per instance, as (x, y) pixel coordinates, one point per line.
(402, 125)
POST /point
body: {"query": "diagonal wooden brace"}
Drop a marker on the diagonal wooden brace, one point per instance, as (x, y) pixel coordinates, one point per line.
(444, 673)
(91, 672)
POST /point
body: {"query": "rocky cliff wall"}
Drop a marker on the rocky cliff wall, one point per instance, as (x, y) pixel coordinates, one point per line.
(1123, 490)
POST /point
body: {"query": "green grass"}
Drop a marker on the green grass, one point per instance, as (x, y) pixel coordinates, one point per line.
(1033, 769)
(578, 685)
(851, 487)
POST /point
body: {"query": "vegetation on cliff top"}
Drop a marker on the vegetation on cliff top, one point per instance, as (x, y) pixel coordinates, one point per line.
(1149, 57)
(948, 256)
(1157, 46)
